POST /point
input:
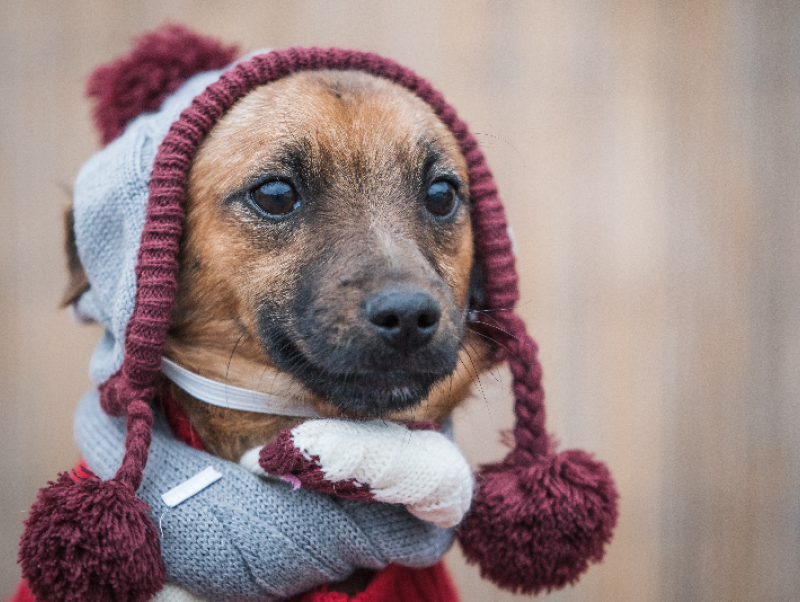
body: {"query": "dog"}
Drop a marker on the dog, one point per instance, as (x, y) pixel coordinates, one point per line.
(327, 256)
(322, 246)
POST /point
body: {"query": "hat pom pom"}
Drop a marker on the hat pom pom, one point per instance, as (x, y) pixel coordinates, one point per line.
(536, 527)
(139, 82)
(89, 540)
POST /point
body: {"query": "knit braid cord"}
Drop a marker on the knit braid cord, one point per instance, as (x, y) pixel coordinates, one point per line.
(530, 436)
(137, 443)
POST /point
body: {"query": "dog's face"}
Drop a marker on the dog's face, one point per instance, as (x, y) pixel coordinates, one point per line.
(327, 250)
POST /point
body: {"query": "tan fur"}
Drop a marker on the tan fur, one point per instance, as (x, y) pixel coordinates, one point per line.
(226, 266)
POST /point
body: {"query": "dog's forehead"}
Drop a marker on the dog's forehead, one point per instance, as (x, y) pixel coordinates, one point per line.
(335, 114)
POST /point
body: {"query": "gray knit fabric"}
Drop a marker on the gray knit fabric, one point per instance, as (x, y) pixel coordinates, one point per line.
(109, 201)
(245, 538)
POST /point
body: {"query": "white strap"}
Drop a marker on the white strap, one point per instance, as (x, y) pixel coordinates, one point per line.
(234, 398)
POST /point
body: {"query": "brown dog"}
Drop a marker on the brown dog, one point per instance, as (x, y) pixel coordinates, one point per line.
(326, 270)
(327, 256)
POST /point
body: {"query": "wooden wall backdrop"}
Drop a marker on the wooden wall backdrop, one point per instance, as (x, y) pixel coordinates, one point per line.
(649, 156)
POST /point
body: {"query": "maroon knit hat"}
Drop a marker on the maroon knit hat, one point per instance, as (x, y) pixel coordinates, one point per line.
(538, 518)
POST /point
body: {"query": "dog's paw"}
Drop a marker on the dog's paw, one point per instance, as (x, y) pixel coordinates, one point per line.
(376, 460)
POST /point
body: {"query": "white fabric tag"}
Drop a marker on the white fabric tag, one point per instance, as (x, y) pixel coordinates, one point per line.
(235, 398)
(193, 486)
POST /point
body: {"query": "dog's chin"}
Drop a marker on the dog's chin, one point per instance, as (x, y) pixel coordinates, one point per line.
(374, 395)
(366, 393)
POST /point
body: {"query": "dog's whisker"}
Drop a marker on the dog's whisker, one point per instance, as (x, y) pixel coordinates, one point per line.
(486, 311)
(504, 141)
(261, 376)
(230, 358)
(476, 372)
(474, 367)
(516, 338)
(495, 376)
(488, 338)
(477, 380)
(496, 309)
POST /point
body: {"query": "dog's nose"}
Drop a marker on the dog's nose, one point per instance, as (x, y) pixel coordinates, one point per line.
(405, 319)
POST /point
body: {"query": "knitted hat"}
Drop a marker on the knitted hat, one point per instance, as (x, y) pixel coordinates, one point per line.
(538, 518)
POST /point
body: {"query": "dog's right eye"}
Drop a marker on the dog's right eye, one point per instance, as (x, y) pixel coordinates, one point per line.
(275, 197)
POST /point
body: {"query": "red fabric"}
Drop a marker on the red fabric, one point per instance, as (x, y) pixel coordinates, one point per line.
(23, 594)
(177, 419)
(396, 584)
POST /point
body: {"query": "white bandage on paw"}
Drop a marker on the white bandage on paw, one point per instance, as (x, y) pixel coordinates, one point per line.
(422, 470)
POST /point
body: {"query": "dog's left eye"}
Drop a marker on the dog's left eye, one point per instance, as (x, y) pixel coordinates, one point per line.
(441, 199)
(275, 197)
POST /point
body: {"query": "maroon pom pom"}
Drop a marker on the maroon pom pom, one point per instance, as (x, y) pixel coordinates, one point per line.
(139, 82)
(535, 528)
(89, 540)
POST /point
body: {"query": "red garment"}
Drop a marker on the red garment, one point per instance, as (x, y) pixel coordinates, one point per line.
(23, 593)
(395, 583)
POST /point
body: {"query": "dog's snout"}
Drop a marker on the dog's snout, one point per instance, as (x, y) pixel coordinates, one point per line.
(406, 320)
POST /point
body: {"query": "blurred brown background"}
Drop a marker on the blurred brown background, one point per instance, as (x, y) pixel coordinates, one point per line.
(649, 156)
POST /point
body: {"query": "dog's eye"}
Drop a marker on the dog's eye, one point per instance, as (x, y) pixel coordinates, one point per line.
(441, 198)
(275, 197)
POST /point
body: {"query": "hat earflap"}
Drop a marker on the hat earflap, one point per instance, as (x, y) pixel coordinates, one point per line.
(85, 539)
(539, 517)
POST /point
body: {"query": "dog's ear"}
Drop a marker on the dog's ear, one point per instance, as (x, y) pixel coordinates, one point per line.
(78, 282)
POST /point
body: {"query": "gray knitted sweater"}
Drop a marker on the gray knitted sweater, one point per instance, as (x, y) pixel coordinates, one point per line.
(245, 538)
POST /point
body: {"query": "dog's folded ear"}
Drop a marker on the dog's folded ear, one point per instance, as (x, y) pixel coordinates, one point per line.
(78, 282)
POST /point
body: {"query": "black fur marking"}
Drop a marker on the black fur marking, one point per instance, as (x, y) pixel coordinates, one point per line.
(369, 394)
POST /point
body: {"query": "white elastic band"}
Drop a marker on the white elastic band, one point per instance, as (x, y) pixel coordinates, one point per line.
(234, 398)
